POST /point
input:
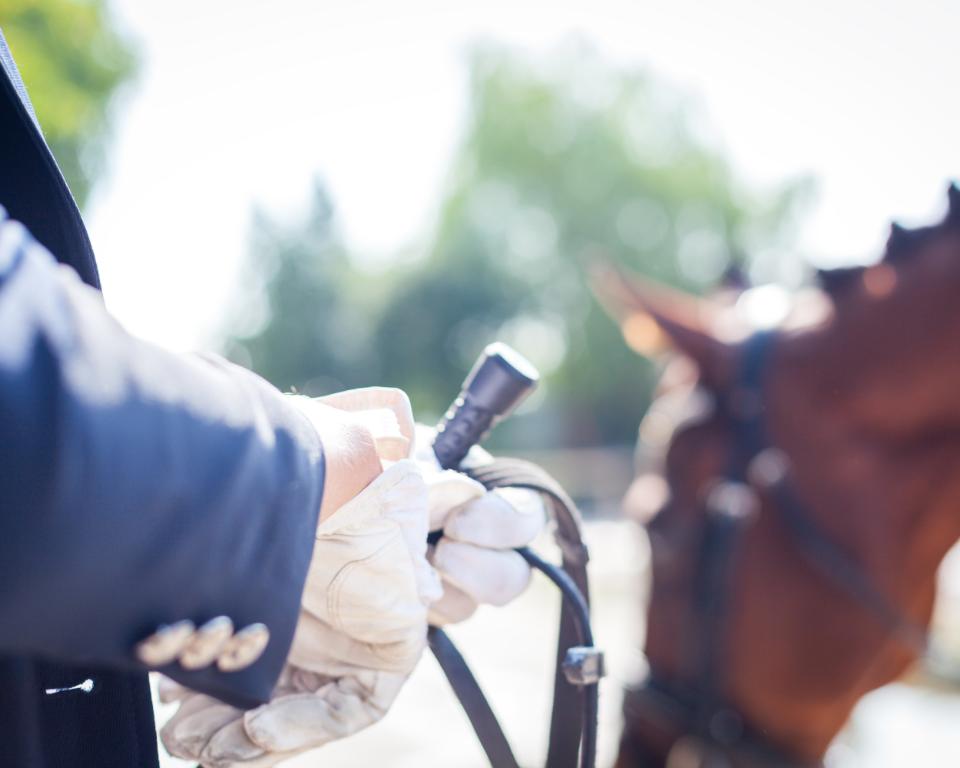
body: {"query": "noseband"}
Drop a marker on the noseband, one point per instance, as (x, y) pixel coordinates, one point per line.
(706, 731)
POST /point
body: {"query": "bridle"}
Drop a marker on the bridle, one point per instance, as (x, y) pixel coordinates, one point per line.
(579, 664)
(706, 730)
(498, 381)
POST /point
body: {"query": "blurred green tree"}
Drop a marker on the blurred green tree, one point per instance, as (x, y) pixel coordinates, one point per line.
(73, 61)
(563, 159)
(306, 321)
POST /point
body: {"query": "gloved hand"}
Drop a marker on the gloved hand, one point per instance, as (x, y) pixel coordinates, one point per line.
(359, 428)
(362, 626)
(475, 557)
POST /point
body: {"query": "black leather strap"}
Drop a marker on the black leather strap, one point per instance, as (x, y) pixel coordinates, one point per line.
(565, 719)
(573, 706)
(471, 698)
(657, 706)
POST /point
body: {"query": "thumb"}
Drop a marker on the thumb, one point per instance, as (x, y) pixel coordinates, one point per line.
(385, 412)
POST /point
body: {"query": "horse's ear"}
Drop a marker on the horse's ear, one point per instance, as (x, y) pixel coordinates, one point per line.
(653, 316)
(953, 210)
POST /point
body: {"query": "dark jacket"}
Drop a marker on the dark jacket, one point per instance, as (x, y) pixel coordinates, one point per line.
(137, 488)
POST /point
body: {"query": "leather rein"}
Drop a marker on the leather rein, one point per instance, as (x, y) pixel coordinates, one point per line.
(711, 731)
(579, 666)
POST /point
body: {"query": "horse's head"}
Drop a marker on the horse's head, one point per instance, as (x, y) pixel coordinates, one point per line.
(813, 487)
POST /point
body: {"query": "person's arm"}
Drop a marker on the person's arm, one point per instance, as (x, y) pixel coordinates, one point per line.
(139, 487)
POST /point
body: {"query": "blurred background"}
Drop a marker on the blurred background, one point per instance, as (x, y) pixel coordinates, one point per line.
(345, 194)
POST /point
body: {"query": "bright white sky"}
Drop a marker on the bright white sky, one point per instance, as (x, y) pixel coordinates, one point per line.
(245, 101)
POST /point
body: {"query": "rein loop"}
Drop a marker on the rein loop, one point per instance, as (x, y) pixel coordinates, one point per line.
(573, 722)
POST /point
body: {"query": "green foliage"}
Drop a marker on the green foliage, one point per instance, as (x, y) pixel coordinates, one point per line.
(563, 160)
(317, 339)
(72, 60)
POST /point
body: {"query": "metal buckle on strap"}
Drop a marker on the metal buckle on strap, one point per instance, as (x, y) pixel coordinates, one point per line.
(732, 500)
(583, 665)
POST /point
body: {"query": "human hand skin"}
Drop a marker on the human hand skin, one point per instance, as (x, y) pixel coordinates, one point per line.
(362, 629)
(475, 557)
(350, 456)
(357, 428)
(362, 626)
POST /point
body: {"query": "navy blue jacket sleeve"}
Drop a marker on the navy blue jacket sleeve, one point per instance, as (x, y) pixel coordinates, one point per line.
(140, 487)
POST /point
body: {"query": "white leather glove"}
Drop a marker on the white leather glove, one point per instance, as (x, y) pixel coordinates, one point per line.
(475, 557)
(361, 630)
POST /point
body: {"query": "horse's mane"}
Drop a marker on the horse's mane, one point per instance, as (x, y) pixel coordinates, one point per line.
(901, 245)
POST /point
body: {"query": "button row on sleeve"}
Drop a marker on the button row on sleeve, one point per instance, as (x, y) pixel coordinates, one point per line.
(197, 648)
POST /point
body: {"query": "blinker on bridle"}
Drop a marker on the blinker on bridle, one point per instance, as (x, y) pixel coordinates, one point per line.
(711, 730)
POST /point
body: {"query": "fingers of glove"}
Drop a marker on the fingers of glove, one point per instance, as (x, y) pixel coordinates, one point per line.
(231, 746)
(455, 606)
(501, 519)
(339, 709)
(169, 691)
(264, 760)
(491, 576)
(448, 490)
(186, 734)
(320, 649)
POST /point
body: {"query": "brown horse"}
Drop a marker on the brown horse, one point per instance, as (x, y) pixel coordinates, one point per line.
(811, 495)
